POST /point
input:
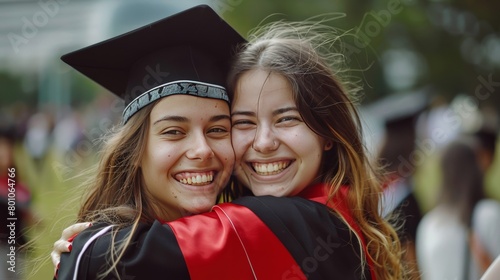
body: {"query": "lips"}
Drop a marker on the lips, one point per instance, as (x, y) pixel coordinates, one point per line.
(269, 168)
(195, 178)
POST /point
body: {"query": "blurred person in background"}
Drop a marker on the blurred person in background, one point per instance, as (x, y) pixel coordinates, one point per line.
(458, 239)
(398, 154)
(14, 195)
(485, 244)
(38, 139)
(487, 136)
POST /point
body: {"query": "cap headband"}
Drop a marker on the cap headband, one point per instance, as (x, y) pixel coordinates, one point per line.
(193, 88)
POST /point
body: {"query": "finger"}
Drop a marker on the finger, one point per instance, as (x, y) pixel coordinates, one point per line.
(60, 246)
(74, 230)
(64, 244)
(56, 258)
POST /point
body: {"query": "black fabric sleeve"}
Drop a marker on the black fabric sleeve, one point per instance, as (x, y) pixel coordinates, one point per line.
(153, 254)
(321, 244)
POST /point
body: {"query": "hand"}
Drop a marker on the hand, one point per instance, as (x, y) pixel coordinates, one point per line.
(64, 244)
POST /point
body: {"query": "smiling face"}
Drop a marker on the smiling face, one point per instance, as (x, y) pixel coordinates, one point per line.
(276, 152)
(189, 156)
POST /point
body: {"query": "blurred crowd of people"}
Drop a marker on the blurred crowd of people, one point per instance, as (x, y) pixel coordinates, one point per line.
(33, 143)
(70, 133)
(458, 237)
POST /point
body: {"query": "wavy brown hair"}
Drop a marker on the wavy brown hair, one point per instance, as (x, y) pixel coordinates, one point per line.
(302, 53)
(117, 194)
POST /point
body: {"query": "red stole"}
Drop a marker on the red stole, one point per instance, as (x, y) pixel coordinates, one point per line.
(231, 242)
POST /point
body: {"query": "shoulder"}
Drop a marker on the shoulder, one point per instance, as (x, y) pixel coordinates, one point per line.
(94, 234)
(281, 205)
(147, 250)
(294, 212)
(486, 224)
(485, 215)
(320, 242)
(440, 225)
(487, 207)
(83, 249)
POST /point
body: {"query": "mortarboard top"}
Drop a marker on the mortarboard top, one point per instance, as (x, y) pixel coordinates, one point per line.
(399, 111)
(186, 53)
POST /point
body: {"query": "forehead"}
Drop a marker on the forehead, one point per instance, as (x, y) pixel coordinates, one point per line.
(188, 105)
(259, 88)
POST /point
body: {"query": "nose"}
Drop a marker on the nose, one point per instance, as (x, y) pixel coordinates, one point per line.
(199, 148)
(265, 140)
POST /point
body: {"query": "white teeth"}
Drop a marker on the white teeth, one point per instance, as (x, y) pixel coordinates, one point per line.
(197, 179)
(270, 168)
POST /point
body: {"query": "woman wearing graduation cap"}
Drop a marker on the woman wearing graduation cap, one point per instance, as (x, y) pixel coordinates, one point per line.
(172, 156)
(266, 237)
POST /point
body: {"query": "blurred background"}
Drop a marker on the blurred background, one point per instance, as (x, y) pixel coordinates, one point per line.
(434, 61)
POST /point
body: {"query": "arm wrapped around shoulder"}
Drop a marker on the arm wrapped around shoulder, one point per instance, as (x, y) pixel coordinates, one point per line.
(151, 251)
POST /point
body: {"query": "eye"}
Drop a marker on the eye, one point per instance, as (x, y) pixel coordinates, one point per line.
(284, 119)
(289, 120)
(243, 124)
(172, 132)
(218, 130)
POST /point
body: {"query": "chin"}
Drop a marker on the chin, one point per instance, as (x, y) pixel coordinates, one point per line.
(267, 191)
(201, 208)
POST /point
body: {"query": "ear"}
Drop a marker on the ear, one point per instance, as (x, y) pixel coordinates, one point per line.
(328, 145)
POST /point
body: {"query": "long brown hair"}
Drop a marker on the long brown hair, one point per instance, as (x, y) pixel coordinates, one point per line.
(302, 53)
(462, 179)
(117, 194)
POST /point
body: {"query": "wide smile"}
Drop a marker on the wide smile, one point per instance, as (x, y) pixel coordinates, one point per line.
(195, 178)
(270, 168)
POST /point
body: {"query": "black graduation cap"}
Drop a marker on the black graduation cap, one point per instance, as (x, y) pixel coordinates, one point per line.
(186, 53)
(399, 113)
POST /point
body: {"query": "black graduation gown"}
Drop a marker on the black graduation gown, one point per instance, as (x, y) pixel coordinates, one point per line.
(252, 238)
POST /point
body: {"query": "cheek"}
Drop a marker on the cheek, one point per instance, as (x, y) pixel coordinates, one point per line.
(225, 153)
(161, 158)
(307, 144)
(241, 142)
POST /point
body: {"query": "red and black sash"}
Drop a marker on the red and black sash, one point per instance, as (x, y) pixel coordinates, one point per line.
(273, 238)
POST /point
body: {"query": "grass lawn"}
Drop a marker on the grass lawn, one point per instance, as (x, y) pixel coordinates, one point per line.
(56, 199)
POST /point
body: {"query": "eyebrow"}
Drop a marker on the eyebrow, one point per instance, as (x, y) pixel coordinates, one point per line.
(184, 119)
(275, 112)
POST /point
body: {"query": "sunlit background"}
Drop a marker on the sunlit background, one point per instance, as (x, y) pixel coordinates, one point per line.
(445, 54)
